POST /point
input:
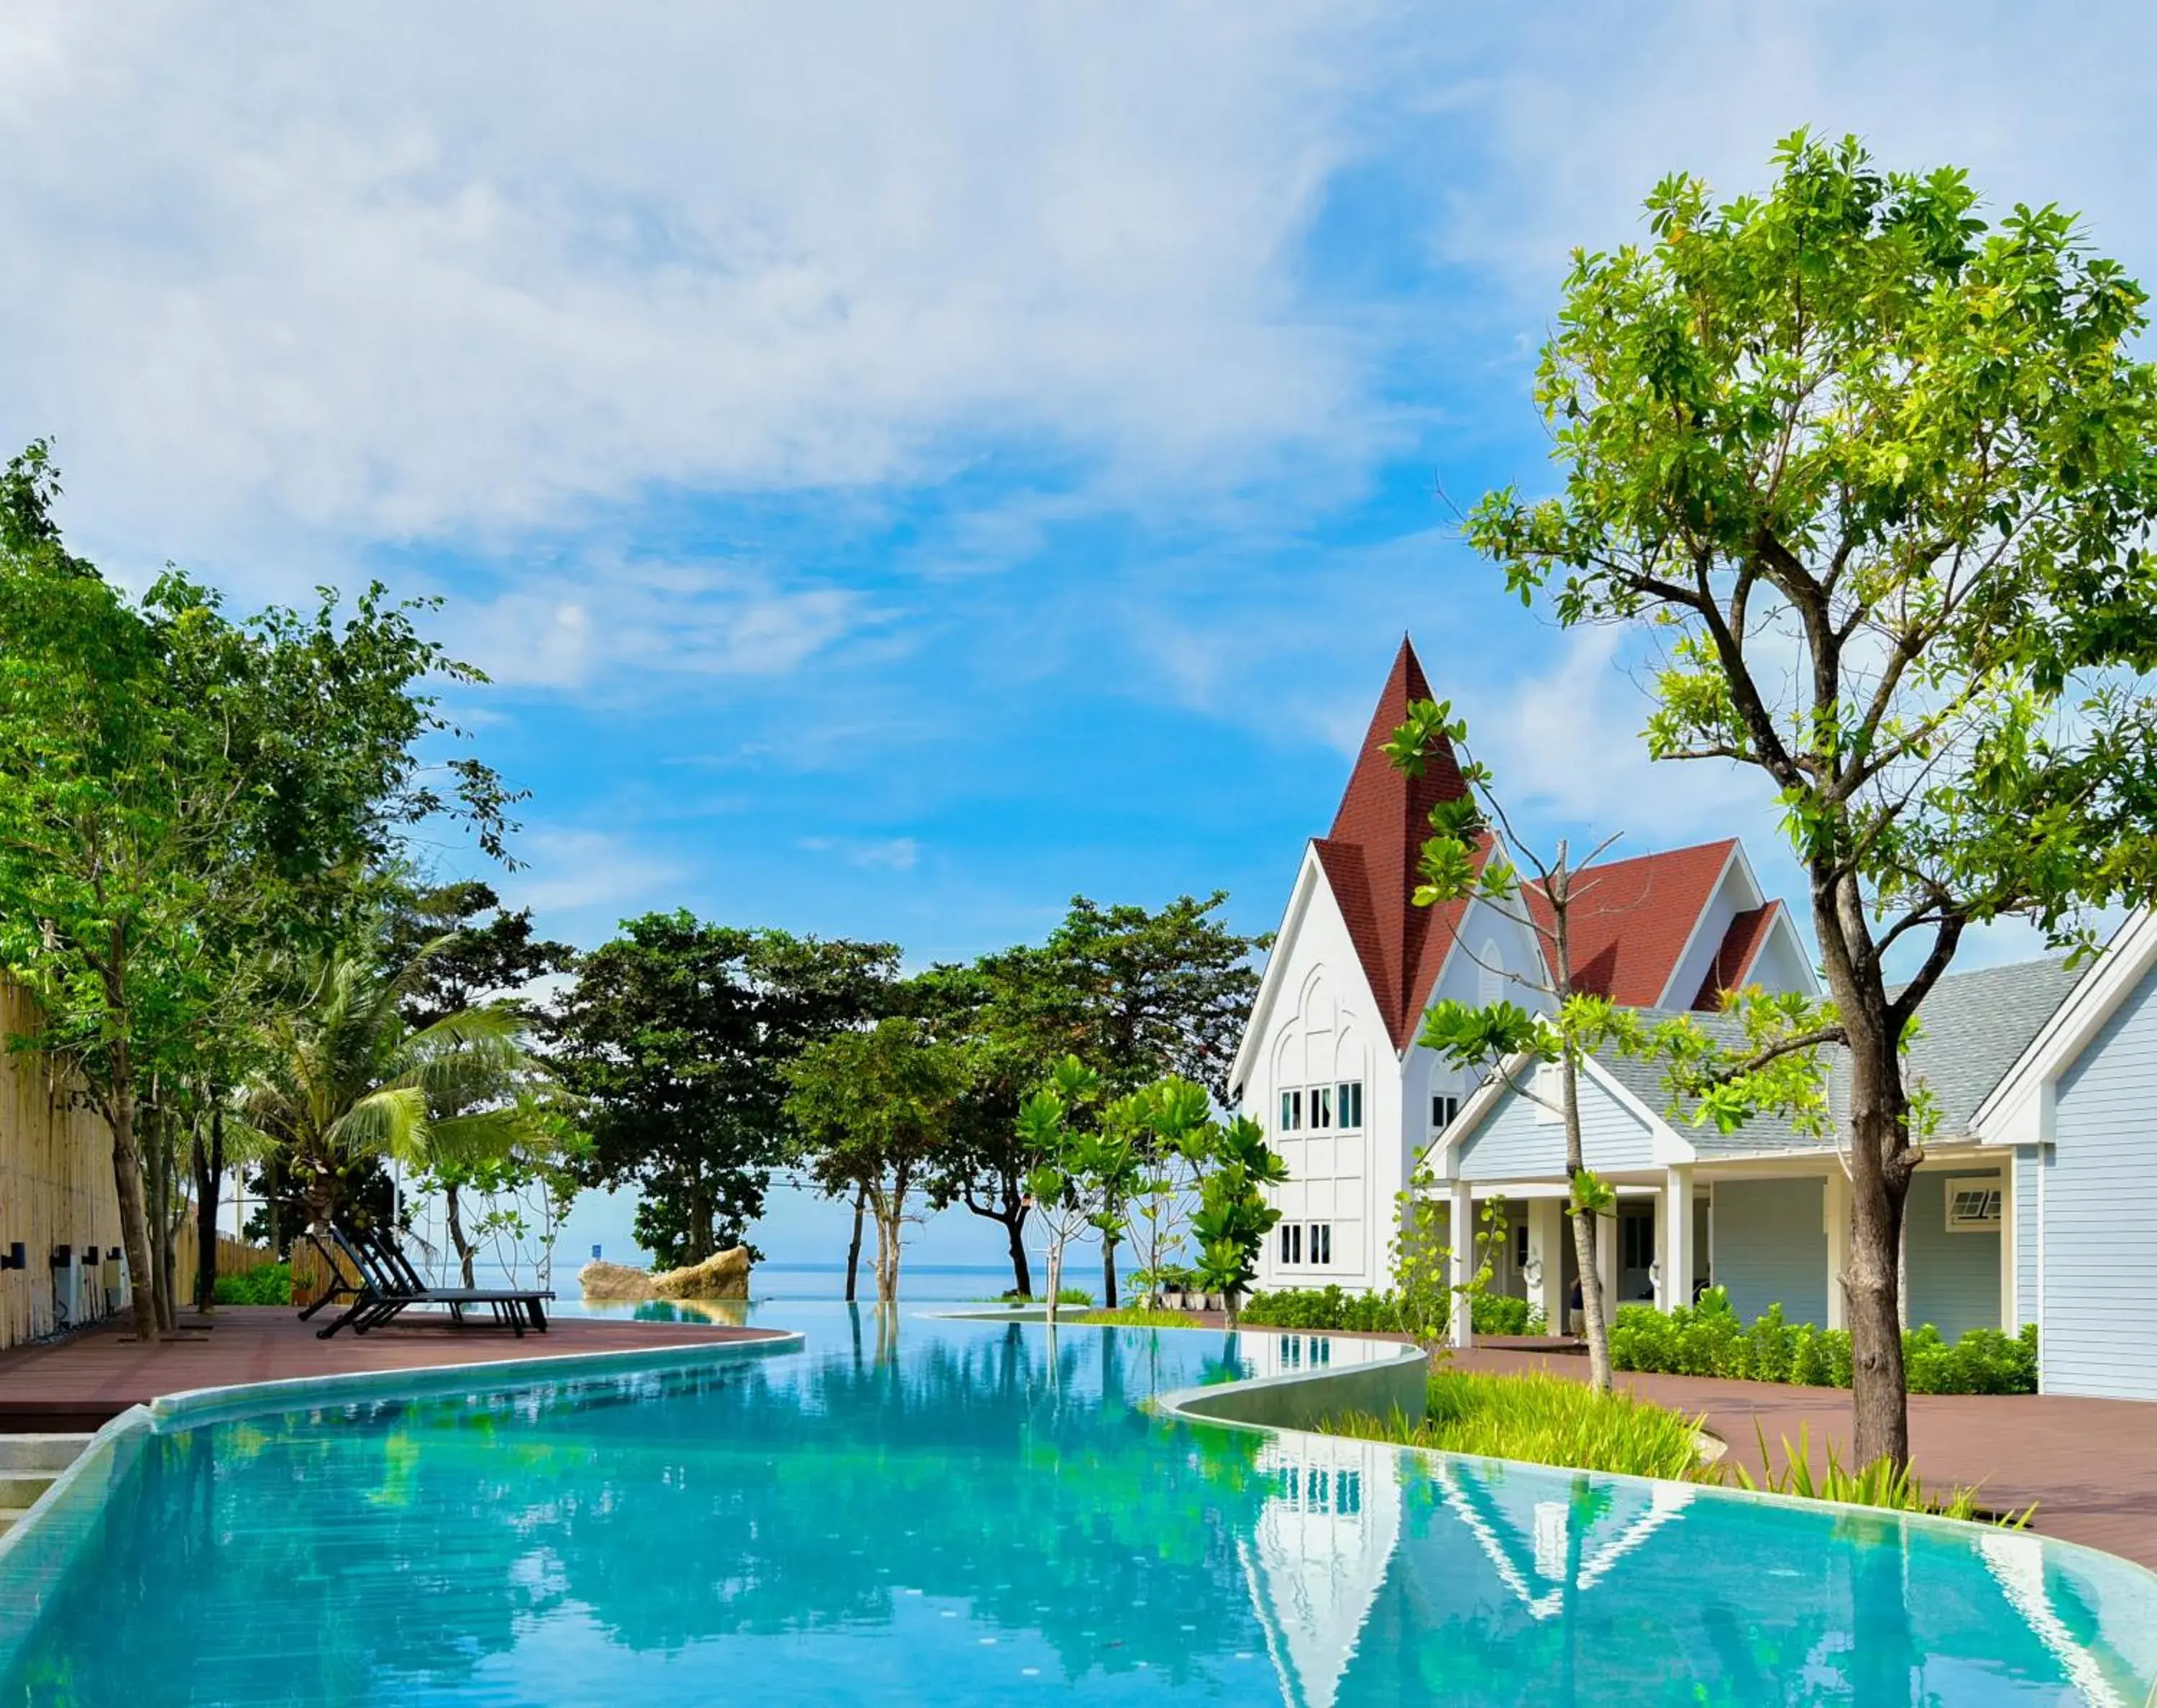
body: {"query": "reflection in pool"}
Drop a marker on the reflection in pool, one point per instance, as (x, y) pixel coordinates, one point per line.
(960, 1512)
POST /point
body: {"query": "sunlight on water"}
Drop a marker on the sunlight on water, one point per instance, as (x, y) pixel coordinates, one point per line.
(956, 1513)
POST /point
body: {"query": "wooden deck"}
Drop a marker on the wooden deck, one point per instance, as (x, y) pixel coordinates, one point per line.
(81, 1382)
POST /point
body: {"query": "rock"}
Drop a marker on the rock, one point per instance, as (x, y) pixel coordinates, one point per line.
(613, 1281)
(723, 1275)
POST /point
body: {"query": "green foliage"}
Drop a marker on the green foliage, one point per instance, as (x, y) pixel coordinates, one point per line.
(1143, 1316)
(1328, 1308)
(1423, 1261)
(1064, 1295)
(1708, 1340)
(1543, 1419)
(270, 1284)
(1882, 1484)
(1233, 1217)
(679, 1035)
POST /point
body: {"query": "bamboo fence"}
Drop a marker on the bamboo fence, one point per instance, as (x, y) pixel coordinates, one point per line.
(55, 1182)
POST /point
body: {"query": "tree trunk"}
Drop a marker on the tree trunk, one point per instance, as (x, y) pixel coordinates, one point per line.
(1109, 1269)
(1021, 1271)
(453, 1220)
(1055, 1274)
(127, 1190)
(1882, 1161)
(1592, 1321)
(700, 1226)
(159, 1164)
(854, 1245)
(209, 1161)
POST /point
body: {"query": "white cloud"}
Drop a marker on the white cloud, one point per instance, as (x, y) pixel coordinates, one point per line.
(614, 623)
(592, 876)
(891, 854)
(306, 272)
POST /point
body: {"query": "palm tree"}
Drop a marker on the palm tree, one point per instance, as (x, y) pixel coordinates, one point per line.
(346, 1077)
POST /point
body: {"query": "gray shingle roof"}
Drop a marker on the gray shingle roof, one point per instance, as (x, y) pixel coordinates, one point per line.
(1976, 1026)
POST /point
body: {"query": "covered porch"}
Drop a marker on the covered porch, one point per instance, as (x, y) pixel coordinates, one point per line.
(1769, 1232)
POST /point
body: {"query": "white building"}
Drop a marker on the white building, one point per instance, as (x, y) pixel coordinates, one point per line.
(1330, 1063)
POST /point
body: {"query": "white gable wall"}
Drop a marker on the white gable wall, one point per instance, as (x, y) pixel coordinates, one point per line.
(1321, 1028)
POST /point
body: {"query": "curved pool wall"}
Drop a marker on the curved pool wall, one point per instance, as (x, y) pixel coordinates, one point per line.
(970, 1512)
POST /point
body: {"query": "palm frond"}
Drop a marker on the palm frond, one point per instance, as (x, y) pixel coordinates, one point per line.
(391, 1122)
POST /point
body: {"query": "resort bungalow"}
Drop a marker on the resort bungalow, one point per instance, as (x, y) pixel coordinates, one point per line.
(1328, 1062)
(2044, 1079)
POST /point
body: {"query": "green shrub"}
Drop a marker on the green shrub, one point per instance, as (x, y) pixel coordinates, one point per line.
(270, 1284)
(1545, 1419)
(1064, 1295)
(1328, 1308)
(1707, 1340)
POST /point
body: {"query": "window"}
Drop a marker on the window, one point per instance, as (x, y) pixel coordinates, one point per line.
(1291, 1242)
(1321, 1242)
(1349, 1104)
(1443, 1106)
(1973, 1204)
(1636, 1241)
(1321, 1106)
(1291, 1111)
(1520, 1246)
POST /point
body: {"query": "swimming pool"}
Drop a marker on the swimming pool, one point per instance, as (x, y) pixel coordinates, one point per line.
(956, 1512)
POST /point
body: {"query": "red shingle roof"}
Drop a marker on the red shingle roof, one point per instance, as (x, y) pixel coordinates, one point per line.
(1370, 855)
(1632, 919)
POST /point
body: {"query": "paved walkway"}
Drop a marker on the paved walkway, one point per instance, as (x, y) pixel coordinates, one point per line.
(79, 1383)
(2089, 1466)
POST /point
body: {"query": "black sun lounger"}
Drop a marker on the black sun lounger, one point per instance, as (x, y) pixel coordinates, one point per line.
(374, 1273)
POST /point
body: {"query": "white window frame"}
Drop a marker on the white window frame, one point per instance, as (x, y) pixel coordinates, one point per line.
(1318, 1105)
(1452, 1102)
(1347, 1093)
(1994, 1186)
(1291, 1112)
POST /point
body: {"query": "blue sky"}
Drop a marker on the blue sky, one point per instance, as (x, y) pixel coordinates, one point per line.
(904, 467)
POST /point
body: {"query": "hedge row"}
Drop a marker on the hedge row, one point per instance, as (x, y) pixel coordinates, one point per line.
(1708, 1340)
(1329, 1309)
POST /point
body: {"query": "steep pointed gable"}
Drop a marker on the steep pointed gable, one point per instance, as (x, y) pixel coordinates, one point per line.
(1740, 948)
(1371, 857)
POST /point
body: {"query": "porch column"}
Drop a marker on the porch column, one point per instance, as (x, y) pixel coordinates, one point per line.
(1606, 1263)
(1674, 1250)
(1460, 1237)
(1835, 1210)
(2009, 1315)
(1547, 1235)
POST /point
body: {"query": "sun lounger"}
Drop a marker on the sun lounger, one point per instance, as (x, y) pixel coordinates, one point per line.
(382, 1284)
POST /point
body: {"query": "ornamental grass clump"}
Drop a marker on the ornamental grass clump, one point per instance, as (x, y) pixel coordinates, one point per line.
(1141, 1316)
(1545, 1419)
(1882, 1484)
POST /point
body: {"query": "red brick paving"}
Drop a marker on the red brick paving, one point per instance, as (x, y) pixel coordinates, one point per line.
(77, 1383)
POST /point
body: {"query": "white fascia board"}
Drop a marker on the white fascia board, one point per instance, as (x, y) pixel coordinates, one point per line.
(1735, 857)
(2019, 1110)
(1666, 1143)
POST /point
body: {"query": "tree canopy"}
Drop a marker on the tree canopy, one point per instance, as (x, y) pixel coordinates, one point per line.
(1880, 476)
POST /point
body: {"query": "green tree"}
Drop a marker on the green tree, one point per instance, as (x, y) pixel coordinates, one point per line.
(179, 794)
(476, 950)
(1552, 1022)
(345, 1077)
(1880, 476)
(1234, 1215)
(1135, 994)
(1081, 1159)
(870, 1108)
(678, 1034)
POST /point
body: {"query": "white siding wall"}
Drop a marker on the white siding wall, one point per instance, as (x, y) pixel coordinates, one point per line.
(2100, 1258)
(1520, 1140)
(1771, 1248)
(1323, 1028)
(1954, 1278)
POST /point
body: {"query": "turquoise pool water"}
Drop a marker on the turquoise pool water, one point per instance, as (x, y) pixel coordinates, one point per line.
(957, 1513)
